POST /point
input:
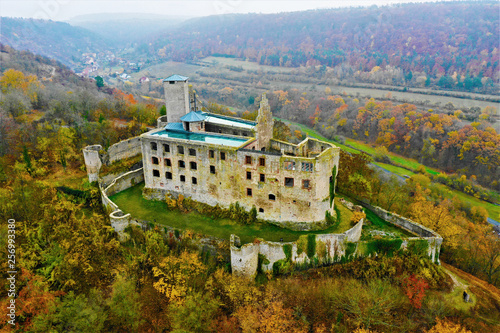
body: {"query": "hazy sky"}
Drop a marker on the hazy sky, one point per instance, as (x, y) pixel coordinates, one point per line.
(61, 10)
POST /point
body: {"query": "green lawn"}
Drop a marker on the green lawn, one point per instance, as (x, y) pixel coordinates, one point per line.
(131, 201)
(394, 169)
(376, 223)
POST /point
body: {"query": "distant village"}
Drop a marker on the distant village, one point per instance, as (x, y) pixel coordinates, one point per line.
(107, 64)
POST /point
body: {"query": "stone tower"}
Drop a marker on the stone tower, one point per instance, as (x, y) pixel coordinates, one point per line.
(265, 123)
(176, 97)
(92, 161)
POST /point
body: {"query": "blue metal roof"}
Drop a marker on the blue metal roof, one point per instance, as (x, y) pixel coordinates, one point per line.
(176, 77)
(175, 127)
(193, 117)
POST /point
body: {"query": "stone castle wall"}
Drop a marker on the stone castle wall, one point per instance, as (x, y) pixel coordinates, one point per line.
(329, 247)
(124, 149)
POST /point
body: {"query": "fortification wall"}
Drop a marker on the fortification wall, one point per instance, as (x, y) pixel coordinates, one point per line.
(433, 239)
(123, 149)
(327, 248)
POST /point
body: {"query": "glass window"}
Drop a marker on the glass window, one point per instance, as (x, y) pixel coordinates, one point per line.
(248, 159)
(182, 164)
(288, 182)
(262, 178)
(166, 148)
(288, 165)
(193, 165)
(249, 175)
(180, 150)
(306, 183)
(192, 152)
(154, 146)
(262, 161)
(307, 166)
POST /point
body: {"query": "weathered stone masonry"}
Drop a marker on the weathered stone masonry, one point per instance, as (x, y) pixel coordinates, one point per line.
(222, 160)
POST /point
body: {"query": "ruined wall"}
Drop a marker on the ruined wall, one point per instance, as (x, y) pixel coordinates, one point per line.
(124, 182)
(328, 248)
(433, 239)
(265, 124)
(124, 149)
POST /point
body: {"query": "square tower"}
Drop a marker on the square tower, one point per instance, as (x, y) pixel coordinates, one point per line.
(176, 97)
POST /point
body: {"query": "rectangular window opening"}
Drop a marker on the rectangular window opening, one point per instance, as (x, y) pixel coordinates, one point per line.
(288, 182)
(180, 150)
(249, 192)
(306, 183)
(212, 169)
(166, 148)
(248, 159)
(249, 175)
(262, 178)
(194, 180)
(155, 160)
(168, 162)
(182, 164)
(192, 152)
(262, 161)
(154, 146)
(182, 178)
(211, 154)
(168, 175)
(222, 155)
(193, 165)
(156, 173)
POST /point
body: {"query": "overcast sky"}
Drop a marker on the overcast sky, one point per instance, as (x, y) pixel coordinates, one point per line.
(62, 10)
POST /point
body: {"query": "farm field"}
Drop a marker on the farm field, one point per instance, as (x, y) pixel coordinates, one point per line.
(216, 70)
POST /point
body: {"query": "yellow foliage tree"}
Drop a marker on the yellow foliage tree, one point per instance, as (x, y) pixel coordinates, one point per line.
(273, 318)
(445, 326)
(437, 218)
(176, 275)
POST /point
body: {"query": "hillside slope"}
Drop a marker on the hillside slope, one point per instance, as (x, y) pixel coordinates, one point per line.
(410, 43)
(56, 40)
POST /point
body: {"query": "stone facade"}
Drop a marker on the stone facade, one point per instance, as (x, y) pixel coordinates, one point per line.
(222, 160)
(285, 189)
(176, 97)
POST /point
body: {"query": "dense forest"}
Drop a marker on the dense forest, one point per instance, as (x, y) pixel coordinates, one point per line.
(453, 45)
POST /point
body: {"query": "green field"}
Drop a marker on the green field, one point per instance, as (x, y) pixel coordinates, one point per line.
(131, 201)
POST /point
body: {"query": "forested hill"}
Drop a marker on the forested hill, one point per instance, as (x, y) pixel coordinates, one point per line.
(56, 40)
(426, 39)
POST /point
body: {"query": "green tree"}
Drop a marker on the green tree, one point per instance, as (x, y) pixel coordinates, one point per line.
(99, 82)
